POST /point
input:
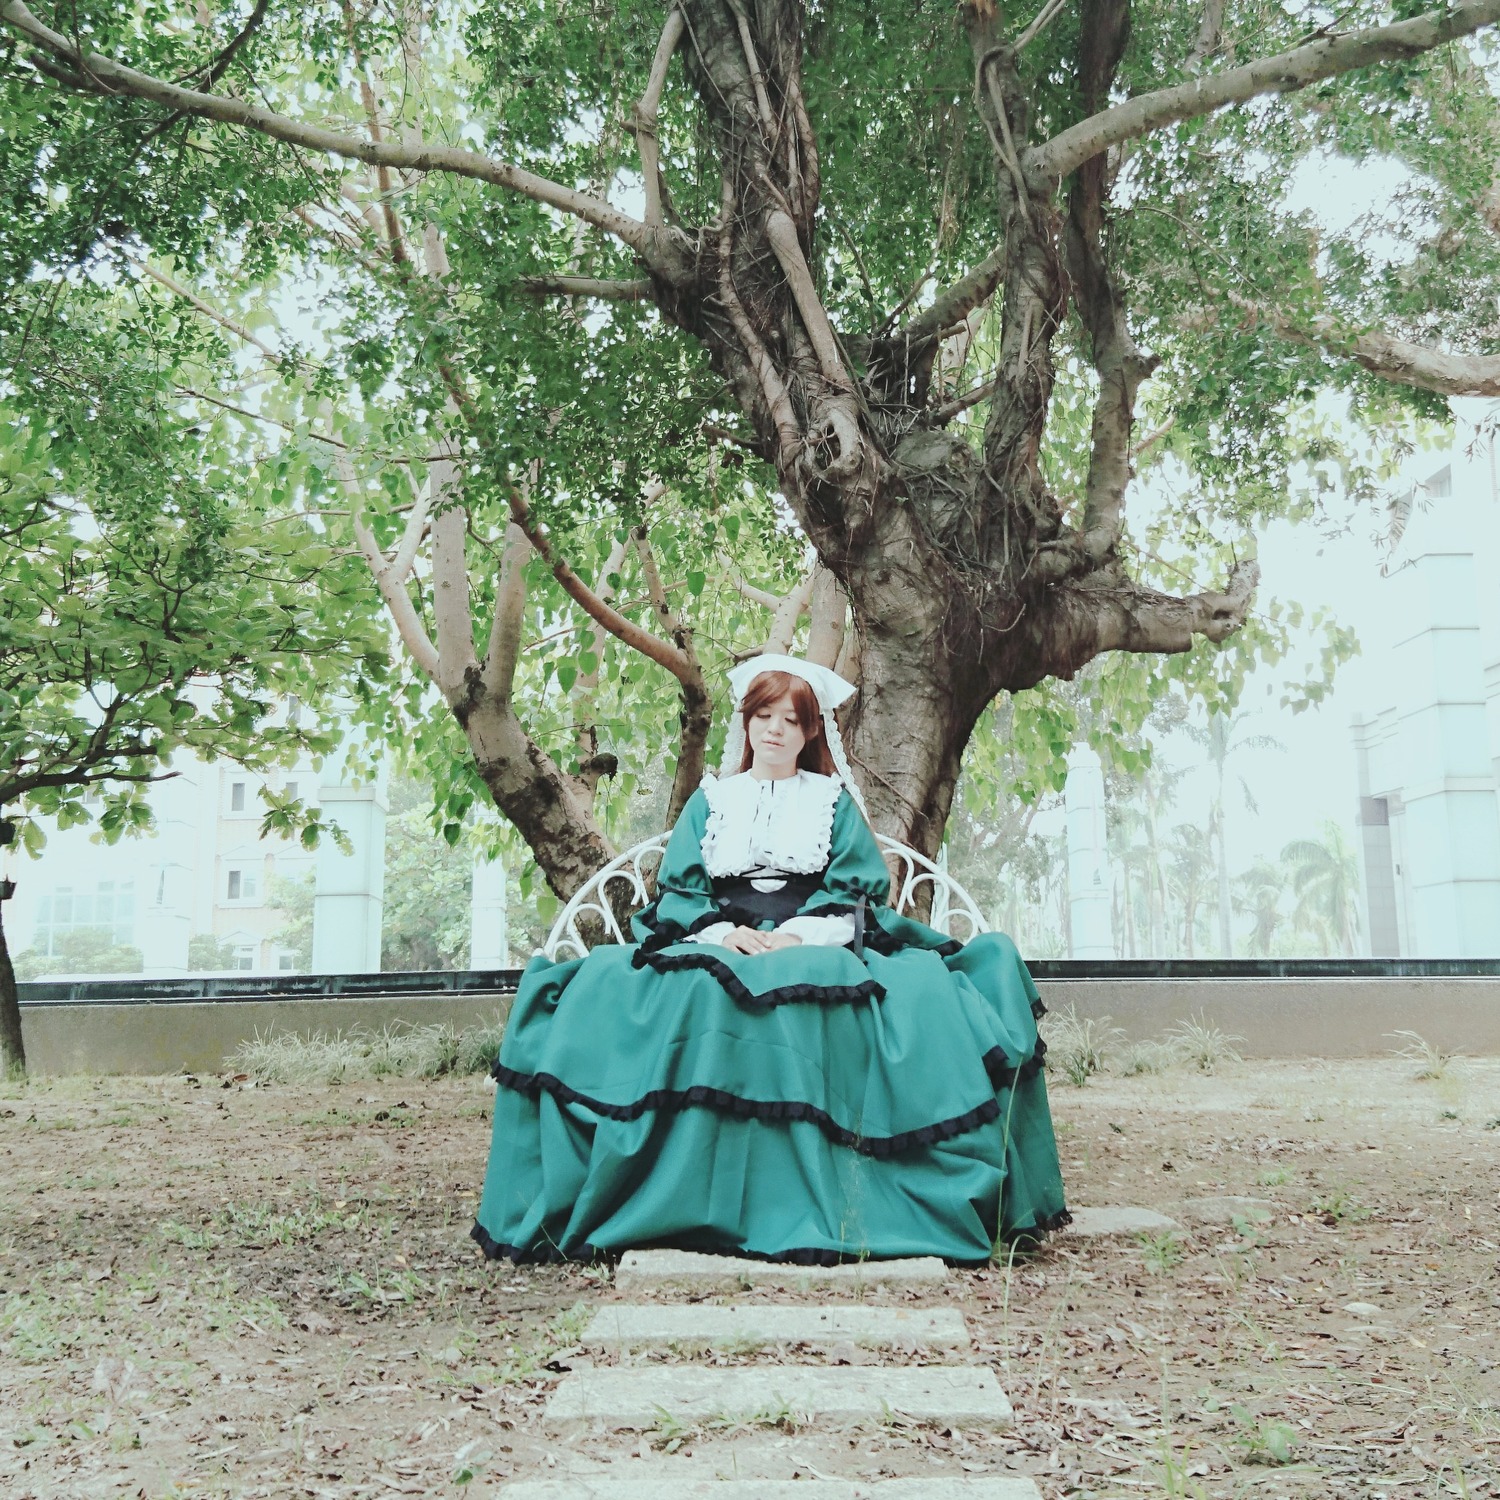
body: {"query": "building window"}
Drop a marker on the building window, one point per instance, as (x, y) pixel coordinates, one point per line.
(291, 790)
(286, 963)
(243, 884)
(243, 959)
(109, 904)
(236, 796)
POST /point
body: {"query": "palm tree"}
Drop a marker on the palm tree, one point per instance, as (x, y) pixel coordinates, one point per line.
(1192, 866)
(1137, 802)
(1222, 741)
(1325, 878)
(1260, 891)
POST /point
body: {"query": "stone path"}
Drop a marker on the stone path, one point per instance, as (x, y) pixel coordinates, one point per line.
(904, 1365)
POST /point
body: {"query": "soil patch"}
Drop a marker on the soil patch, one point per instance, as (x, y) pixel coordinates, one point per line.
(212, 1289)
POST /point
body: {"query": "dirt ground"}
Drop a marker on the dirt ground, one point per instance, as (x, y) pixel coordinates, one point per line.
(208, 1289)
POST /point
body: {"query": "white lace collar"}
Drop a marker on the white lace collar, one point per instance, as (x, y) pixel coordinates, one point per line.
(784, 824)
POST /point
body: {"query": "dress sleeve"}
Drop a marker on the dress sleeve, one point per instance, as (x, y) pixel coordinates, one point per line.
(855, 869)
(684, 893)
(835, 931)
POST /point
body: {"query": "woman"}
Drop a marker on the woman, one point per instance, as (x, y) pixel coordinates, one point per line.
(781, 1066)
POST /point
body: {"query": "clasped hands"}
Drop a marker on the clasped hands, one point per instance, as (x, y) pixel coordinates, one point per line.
(751, 940)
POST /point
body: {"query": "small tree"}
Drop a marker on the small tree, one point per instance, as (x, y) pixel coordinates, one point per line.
(158, 593)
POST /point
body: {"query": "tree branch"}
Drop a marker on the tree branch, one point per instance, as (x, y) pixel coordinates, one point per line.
(773, 391)
(764, 597)
(952, 305)
(1104, 31)
(959, 404)
(696, 717)
(828, 613)
(782, 235)
(397, 601)
(1391, 358)
(103, 75)
(1286, 72)
(1210, 34)
(644, 116)
(588, 286)
(499, 671)
(785, 613)
(208, 311)
(592, 766)
(451, 609)
(1133, 618)
(757, 77)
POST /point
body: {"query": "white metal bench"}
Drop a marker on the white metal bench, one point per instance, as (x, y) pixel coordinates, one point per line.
(950, 901)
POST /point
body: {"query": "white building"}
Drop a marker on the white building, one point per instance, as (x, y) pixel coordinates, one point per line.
(206, 870)
(1428, 744)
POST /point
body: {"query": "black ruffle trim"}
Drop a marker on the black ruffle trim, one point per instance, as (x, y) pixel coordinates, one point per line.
(1035, 1232)
(550, 1255)
(1005, 1074)
(667, 933)
(823, 994)
(883, 943)
(879, 1147)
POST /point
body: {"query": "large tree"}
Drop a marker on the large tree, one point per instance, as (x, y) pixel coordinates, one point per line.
(915, 267)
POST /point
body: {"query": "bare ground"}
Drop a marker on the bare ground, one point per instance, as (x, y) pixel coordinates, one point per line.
(208, 1289)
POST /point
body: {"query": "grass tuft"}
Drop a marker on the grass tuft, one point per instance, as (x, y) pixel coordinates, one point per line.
(395, 1051)
(1078, 1046)
(1200, 1042)
(1432, 1061)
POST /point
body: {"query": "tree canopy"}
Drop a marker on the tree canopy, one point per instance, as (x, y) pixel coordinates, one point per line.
(616, 339)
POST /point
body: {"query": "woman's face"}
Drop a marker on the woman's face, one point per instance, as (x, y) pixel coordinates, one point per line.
(776, 738)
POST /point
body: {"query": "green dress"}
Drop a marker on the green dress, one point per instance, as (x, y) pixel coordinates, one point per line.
(809, 1104)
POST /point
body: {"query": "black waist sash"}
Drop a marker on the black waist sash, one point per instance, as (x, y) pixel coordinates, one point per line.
(739, 901)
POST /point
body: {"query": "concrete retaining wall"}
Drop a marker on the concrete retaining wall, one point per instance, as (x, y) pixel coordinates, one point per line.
(196, 1037)
(1275, 1018)
(1298, 1017)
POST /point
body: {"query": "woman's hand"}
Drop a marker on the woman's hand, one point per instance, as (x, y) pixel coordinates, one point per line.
(750, 940)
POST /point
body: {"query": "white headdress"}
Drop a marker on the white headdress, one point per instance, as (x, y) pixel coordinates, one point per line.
(830, 690)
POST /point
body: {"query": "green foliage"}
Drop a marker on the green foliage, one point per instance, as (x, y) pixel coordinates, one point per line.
(208, 954)
(293, 898)
(425, 922)
(156, 592)
(80, 950)
(141, 507)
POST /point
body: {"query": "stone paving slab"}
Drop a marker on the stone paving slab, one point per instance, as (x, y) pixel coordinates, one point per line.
(1225, 1209)
(998, 1487)
(644, 1270)
(711, 1326)
(636, 1396)
(1103, 1223)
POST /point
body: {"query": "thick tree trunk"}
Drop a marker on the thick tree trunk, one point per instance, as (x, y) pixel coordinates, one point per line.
(542, 802)
(12, 1044)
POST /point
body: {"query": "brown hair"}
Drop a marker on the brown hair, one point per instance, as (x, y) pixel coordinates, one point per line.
(766, 688)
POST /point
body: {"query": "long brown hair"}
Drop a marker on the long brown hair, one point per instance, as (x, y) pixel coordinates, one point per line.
(766, 688)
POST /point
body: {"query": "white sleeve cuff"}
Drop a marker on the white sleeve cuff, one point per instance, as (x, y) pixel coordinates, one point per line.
(821, 932)
(715, 932)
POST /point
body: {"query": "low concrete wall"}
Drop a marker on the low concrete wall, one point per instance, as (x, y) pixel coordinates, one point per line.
(1275, 1018)
(1298, 1017)
(197, 1036)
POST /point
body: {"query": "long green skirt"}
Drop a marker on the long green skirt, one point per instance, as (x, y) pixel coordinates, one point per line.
(809, 1104)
